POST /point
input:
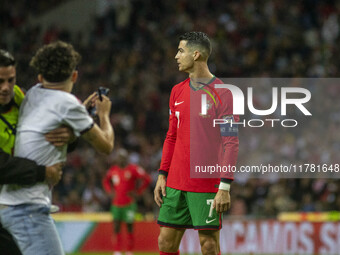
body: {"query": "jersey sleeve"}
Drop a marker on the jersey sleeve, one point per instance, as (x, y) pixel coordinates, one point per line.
(229, 134)
(77, 118)
(170, 139)
(145, 179)
(15, 170)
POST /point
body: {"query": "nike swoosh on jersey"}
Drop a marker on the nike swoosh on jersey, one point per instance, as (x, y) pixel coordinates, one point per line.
(179, 103)
(209, 221)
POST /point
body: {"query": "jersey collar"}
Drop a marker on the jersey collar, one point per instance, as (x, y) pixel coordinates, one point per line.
(203, 84)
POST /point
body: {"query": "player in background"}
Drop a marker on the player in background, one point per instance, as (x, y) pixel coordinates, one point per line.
(194, 202)
(16, 170)
(48, 105)
(124, 182)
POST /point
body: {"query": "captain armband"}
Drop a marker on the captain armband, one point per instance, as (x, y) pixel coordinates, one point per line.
(229, 127)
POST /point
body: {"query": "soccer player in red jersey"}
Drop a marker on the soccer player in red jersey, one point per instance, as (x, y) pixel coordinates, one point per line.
(124, 181)
(191, 141)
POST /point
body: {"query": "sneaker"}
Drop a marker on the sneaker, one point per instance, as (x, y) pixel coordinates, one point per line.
(117, 253)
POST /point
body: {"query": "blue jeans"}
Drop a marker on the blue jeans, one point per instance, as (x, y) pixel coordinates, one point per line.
(32, 228)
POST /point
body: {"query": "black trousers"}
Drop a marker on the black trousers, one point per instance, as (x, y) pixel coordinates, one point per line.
(7, 244)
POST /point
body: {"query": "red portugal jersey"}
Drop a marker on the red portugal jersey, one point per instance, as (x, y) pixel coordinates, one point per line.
(192, 142)
(124, 181)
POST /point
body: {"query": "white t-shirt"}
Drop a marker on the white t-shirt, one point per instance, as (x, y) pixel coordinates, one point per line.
(43, 110)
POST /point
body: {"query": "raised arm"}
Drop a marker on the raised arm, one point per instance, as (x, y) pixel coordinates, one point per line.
(101, 137)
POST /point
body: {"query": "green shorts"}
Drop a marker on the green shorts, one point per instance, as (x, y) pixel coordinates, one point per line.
(183, 209)
(125, 213)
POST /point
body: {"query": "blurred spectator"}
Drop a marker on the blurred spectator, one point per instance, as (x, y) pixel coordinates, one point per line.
(93, 198)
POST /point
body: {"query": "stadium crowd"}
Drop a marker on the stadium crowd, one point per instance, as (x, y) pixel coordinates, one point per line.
(131, 50)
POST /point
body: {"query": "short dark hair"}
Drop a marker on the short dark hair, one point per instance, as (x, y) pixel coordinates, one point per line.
(199, 39)
(56, 61)
(6, 59)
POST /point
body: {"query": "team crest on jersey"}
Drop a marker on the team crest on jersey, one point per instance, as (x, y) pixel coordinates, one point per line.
(115, 179)
(140, 170)
(209, 106)
(127, 175)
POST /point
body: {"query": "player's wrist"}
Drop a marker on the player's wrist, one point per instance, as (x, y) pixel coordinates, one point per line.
(163, 173)
(103, 116)
(224, 186)
(161, 176)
